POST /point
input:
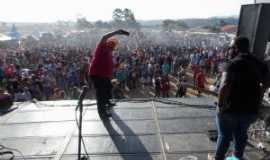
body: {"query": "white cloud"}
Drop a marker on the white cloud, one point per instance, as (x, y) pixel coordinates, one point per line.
(53, 10)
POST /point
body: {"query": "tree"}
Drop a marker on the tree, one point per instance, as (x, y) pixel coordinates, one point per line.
(83, 24)
(124, 18)
(222, 23)
(212, 28)
(169, 25)
(130, 19)
(101, 24)
(182, 24)
(118, 15)
(128, 15)
(216, 25)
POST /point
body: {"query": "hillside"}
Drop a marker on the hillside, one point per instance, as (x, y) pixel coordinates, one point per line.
(196, 22)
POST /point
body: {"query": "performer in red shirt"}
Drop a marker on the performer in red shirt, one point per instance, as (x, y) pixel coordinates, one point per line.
(101, 70)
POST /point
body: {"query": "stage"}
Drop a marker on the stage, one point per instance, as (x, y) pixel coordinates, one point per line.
(140, 129)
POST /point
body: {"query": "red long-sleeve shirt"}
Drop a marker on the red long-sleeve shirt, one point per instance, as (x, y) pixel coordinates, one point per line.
(102, 61)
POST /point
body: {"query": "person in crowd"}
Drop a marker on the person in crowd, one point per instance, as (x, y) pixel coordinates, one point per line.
(6, 99)
(165, 67)
(165, 85)
(195, 69)
(181, 87)
(200, 81)
(2, 76)
(101, 70)
(22, 95)
(117, 93)
(47, 86)
(134, 77)
(58, 94)
(242, 86)
(157, 85)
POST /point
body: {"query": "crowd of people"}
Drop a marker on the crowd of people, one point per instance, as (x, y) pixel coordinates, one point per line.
(44, 73)
(151, 66)
(53, 73)
(57, 72)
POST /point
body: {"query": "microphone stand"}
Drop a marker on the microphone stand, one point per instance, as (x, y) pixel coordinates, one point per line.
(80, 107)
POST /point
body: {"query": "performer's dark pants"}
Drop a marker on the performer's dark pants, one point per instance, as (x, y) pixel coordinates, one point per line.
(103, 89)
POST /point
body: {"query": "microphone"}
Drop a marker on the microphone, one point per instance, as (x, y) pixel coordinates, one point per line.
(82, 95)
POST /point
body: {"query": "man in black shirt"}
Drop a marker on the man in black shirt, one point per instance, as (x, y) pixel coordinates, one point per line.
(242, 86)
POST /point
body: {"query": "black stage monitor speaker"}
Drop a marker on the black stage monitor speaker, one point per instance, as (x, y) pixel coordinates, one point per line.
(254, 24)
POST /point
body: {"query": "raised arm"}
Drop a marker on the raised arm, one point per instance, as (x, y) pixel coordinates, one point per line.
(117, 32)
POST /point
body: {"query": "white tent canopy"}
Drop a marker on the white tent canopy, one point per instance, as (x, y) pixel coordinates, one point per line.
(4, 37)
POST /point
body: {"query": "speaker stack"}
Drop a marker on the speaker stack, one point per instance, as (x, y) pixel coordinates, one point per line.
(254, 24)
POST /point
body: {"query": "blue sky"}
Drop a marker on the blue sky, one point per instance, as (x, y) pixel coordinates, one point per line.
(53, 10)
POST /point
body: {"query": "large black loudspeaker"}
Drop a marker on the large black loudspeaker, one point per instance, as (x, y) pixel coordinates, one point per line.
(254, 24)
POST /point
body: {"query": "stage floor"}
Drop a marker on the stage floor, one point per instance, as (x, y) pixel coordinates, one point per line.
(142, 129)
